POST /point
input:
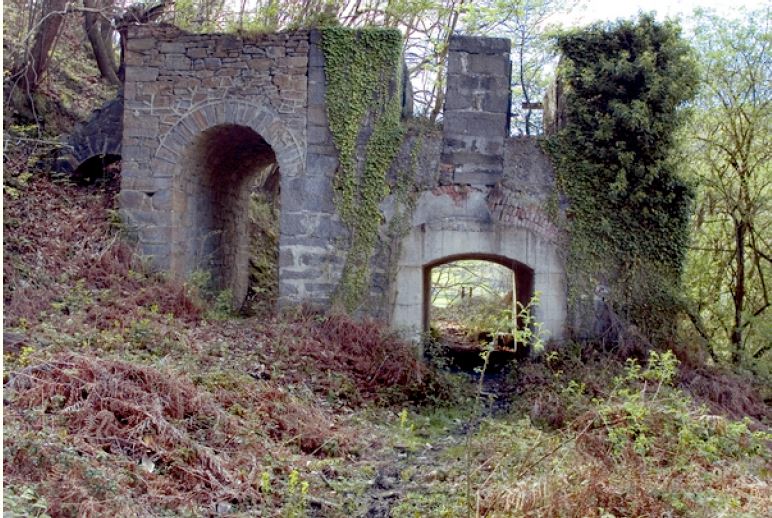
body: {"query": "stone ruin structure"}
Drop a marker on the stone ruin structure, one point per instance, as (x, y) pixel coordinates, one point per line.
(207, 118)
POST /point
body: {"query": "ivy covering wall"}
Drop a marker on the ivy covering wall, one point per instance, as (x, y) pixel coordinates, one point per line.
(363, 70)
(625, 85)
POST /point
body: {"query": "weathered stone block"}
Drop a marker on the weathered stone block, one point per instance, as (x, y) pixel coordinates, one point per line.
(322, 164)
(197, 52)
(328, 227)
(315, 56)
(227, 43)
(140, 74)
(490, 65)
(143, 183)
(304, 273)
(475, 123)
(178, 62)
(319, 135)
(497, 102)
(297, 62)
(144, 217)
(316, 93)
(485, 177)
(317, 115)
(161, 200)
(467, 159)
(313, 259)
(141, 44)
(322, 149)
(316, 75)
(212, 63)
(288, 291)
(295, 223)
(525, 164)
(159, 251)
(134, 200)
(474, 144)
(275, 52)
(261, 64)
(477, 45)
(172, 47)
(157, 234)
(469, 84)
(460, 101)
(320, 292)
(140, 126)
(286, 257)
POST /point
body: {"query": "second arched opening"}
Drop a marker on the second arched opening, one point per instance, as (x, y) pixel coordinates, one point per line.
(471, 301)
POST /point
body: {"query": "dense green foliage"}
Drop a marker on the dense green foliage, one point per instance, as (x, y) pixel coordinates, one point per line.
(363, 74)
(729, 147)
(629, 210)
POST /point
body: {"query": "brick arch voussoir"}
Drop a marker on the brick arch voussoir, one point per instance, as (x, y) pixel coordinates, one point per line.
(260, 118)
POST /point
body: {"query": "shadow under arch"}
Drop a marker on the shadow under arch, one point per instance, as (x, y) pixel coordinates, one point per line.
(184, 164)
(523, 279)
(222, 168)
(94, 167)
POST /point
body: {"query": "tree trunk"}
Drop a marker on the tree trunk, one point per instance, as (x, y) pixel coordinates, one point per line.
(107, 32)
(35, 63)
(102, 54)
(442, 61)
(739, 291)
(521, 65)
(122, 58)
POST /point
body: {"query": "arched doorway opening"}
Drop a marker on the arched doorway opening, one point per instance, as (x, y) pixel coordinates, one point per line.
(227, 202)
(97, 168)
(472, 300)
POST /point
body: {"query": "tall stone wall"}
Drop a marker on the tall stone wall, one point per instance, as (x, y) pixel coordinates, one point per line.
(179, 86)
(314, 241)
(206, 117)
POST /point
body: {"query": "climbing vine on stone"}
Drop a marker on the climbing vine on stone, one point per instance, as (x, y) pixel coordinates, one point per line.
(363, 77)
(624, 87)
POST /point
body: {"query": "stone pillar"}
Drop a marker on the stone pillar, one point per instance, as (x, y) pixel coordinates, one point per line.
(476, 115)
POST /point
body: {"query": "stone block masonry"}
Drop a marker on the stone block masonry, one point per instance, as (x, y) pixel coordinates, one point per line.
(476, 115)
(208, 118)
(204, 115)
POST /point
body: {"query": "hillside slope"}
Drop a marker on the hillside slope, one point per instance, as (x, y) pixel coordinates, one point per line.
(129, 394)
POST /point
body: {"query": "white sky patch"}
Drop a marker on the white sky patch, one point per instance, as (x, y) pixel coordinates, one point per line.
(600, 10)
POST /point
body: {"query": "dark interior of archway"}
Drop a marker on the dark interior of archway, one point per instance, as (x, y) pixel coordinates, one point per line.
(232, 208)
(98, 169)
(471, 304)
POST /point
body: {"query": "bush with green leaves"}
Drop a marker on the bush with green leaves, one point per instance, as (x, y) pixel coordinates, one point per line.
(625, 85)
(646, 414)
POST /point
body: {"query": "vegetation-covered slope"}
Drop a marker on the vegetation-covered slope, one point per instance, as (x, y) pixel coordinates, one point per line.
(124, 396)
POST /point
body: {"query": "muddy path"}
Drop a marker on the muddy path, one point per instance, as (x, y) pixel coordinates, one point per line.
(405, 471)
